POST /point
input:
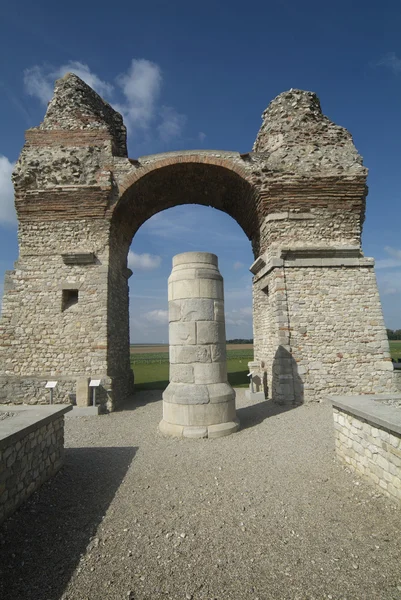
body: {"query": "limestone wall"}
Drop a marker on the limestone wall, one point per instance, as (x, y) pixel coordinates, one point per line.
(370, 450)
(31, 451)
(320, 327)
(42, 332)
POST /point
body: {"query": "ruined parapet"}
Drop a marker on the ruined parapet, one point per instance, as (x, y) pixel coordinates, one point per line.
(74, 147)
(296, 134)
(199, 402)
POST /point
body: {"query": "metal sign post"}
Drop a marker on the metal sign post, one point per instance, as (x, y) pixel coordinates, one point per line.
(50, 385)
(94, 383)
(251, 380)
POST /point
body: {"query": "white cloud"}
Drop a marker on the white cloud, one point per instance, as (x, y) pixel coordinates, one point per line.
(172, 124)
(202, 136)
(393, 252)
(390, 263)
(239, 317)
(158, 317)
(7, 208)
(39, 81)
(391, 61)
(141, 86)
(136, 95)
(238, 265)
(143, 262)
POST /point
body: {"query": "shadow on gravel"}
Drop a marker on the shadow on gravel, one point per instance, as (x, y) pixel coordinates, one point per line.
(250, 416)
(141, 398)
(41, 544)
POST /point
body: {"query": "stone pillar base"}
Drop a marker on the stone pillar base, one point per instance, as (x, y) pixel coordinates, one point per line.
(193, 432)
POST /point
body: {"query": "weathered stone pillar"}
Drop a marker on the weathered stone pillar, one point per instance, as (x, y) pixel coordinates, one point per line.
(199, 402)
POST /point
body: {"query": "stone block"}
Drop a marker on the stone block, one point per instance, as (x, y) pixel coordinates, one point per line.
(174, 310)
(220, 392)
(182, 373)
(190, 354)
(210, 373)
(209, 332)
(170, 429)
(195, 258)
(210, 288)
(182, 333)
(219, 310)
(185, 289)
(186, 393)
(223, 429)
(195, 433)
(199, 415)
(218, 352)
(84, 411)
(82, 391)
(197, 309)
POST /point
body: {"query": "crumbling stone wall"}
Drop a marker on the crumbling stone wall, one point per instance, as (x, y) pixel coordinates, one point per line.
(80, 200)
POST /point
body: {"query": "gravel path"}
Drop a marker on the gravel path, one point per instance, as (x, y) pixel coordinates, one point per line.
(267, 513)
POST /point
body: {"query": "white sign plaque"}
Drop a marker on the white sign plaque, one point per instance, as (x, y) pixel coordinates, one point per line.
(94, 383)
(51, 384)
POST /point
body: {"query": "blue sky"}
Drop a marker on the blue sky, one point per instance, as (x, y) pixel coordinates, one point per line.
(199, 75)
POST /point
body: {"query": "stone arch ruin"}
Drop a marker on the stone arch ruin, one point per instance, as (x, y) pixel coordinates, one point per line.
(299, 196)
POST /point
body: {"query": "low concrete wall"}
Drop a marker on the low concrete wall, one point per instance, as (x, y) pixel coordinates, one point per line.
(368, 438)
(31, 451)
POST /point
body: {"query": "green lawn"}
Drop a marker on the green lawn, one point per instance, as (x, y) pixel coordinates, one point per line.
(151, 370)
(395, 349)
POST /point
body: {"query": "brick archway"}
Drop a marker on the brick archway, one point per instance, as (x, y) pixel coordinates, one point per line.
(161, 183)
(204, 178)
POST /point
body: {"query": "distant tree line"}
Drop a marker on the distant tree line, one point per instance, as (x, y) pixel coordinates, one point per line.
(239, 341)
(394, 334)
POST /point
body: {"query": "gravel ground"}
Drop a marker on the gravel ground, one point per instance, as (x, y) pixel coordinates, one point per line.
(266, 513)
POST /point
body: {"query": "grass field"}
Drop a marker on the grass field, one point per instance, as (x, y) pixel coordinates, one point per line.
(395, 349)
(150, 365)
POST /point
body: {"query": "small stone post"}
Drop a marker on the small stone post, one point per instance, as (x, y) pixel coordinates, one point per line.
(82, 391)
(199, 402)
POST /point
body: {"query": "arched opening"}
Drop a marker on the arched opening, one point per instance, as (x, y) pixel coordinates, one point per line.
(145, 195)
(180, 229)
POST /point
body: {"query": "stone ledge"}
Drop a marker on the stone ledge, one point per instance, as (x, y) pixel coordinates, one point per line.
(312, 257)
(290, 215)
(27, 419)
(371, 409)
(84, 411)
(78, 258)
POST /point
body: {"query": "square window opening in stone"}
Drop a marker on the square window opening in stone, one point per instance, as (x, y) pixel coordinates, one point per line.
(70, 297)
